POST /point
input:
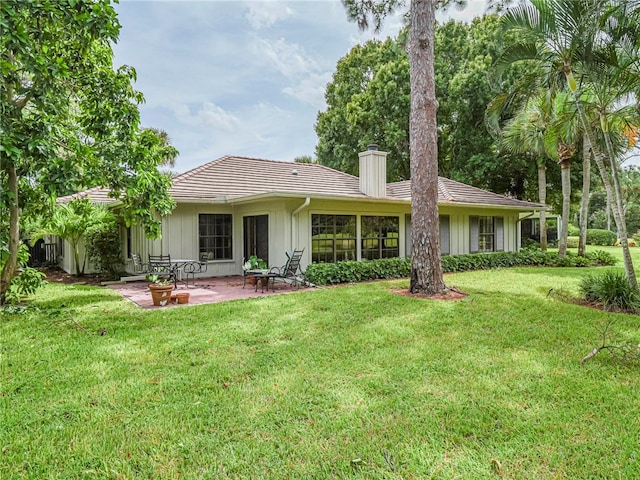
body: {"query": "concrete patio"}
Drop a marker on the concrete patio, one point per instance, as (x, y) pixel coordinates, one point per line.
(204, 290)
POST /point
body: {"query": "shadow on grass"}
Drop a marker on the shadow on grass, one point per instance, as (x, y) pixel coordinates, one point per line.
(76, 297)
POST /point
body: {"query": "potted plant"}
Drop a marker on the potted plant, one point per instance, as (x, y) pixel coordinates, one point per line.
(254, 263)
(160, 288)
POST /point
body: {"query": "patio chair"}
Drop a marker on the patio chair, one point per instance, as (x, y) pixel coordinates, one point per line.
(139, 268)
(291, 272)
(161, 266)
(192, 268)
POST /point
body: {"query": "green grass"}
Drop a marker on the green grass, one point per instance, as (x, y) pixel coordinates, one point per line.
(347, 382)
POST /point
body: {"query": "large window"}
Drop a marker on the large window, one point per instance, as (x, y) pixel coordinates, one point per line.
(215, 236)
(487, 234)
(380, 237)
(333, 238)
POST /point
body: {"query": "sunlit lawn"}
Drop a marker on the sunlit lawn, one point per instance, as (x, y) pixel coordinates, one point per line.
(346, 382)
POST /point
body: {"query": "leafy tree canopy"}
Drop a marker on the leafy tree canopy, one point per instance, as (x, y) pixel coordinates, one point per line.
(69, 119)
(368, 101)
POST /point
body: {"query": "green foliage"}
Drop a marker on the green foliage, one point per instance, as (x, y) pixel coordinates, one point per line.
(159, 279)
(572, 241)
(601, 237)
(103, 246)
(255, 263)
(26, 282)
(368, 101)
(70, 119)
(573, 230)
(353, 271)
(72, 222)
(611, 290)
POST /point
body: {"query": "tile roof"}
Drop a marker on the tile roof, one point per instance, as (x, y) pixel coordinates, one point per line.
(235, 178)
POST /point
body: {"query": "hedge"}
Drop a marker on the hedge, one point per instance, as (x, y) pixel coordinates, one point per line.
(354, 271)
(596, 236)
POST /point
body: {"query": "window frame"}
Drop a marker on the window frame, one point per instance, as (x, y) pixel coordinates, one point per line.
(325, 250)
(380, 242)
(222, 241)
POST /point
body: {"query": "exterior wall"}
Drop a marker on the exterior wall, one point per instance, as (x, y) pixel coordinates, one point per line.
(288, 232)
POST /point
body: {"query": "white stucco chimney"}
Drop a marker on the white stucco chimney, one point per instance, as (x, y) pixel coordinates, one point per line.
(373, 172)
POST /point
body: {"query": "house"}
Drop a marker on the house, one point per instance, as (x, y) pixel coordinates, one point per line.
(234, 207)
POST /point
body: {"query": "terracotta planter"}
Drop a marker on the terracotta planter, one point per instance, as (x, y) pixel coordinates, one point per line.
(161, 294)
(182, 297)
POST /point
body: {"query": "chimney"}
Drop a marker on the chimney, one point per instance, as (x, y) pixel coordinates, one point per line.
(373, 172)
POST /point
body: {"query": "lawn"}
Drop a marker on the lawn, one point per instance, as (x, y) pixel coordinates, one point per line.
(347, 382)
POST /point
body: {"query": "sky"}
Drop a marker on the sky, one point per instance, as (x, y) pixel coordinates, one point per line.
(240, 77)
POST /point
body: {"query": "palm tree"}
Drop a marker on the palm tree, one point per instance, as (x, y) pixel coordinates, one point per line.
(571, 39)
(525, 133)
(71, 222)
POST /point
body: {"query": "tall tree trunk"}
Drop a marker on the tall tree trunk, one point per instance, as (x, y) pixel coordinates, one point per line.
(622, 229)
(598, 157)
(584, 204)
(542, 198)
(426, 267)
(565, 175)
(9, 269)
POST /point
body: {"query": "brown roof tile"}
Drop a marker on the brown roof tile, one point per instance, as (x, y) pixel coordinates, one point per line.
(232, 178)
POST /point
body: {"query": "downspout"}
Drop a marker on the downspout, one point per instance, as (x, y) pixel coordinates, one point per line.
(305, 204)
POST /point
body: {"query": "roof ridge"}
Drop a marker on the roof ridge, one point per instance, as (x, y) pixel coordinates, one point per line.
(445, 190)
(200, 168)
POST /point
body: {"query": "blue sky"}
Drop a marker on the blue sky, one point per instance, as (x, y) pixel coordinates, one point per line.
(238, 77)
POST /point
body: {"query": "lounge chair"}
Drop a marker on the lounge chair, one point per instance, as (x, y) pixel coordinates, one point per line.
(290, 272)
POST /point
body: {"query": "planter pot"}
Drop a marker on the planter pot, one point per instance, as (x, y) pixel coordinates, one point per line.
(161, 294)
(182, 297)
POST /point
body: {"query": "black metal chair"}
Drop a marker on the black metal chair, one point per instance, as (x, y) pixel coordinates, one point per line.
(161, 266)
(139, 268)
(193, 268)
(291, 271)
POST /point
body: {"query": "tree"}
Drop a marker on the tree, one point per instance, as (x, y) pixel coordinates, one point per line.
(525, 133)
(426, 267)
(72, 222)
(69, 118)
(367, 102)
(584, 40)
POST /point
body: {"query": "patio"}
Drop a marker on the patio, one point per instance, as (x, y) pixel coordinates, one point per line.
(205, 290)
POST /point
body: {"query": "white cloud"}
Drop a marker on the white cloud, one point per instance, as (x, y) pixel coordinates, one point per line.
(287, 58)
(310, 90)
(266, 14)
(210, 115)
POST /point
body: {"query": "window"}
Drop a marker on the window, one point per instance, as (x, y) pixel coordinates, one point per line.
(333, 238)
(215, 236)
(487, 234)
(445, 236)
(380, 237)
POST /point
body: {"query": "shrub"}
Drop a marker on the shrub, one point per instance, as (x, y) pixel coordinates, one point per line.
(572, 242)
(27, 282)
(601, 237)
(611, 290)
(103, 245)
(602, 258)
(573, 230)
(353, 271)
